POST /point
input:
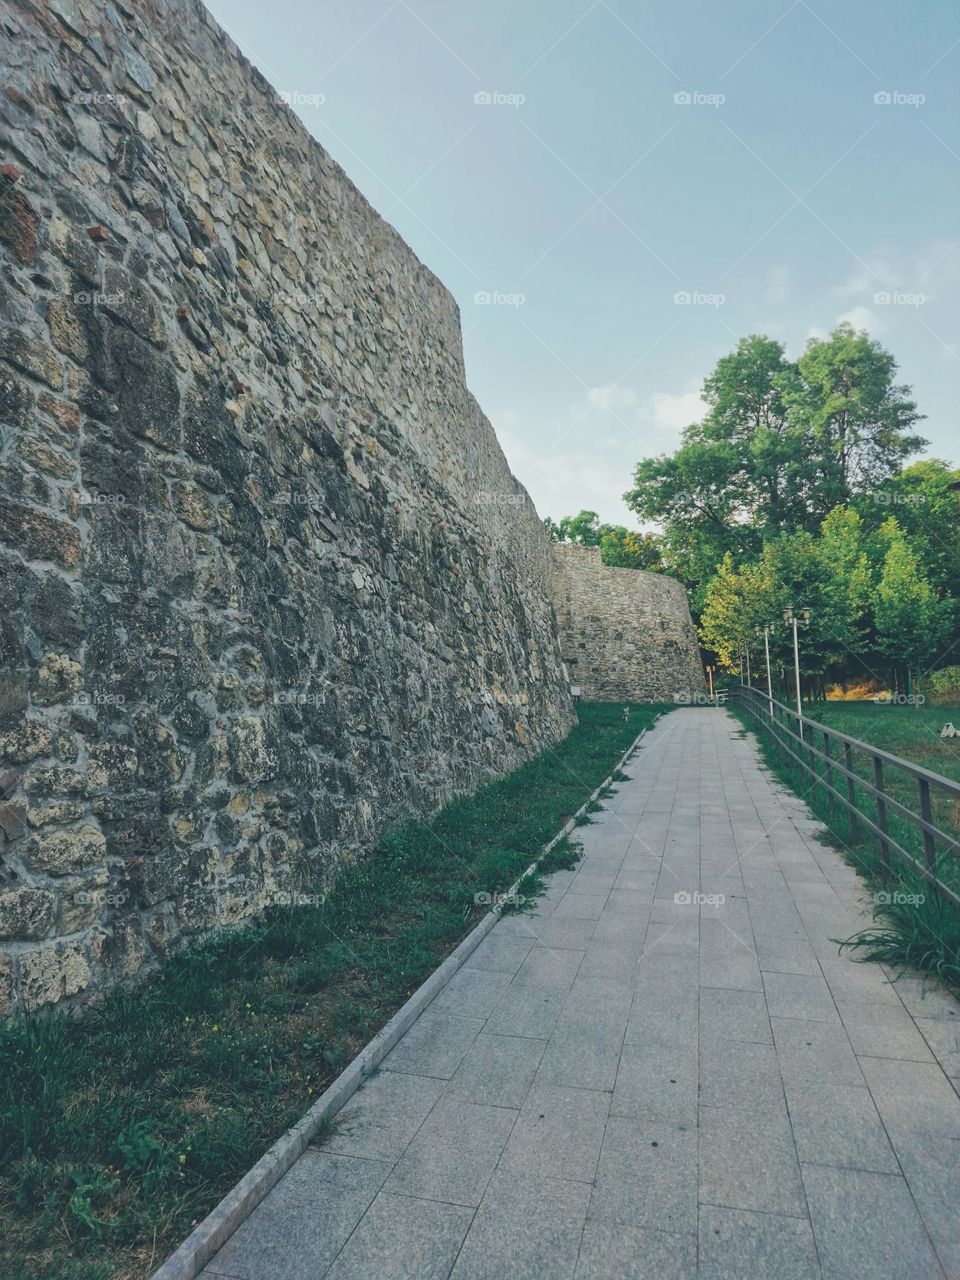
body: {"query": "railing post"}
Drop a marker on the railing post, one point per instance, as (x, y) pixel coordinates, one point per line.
(851, 790)
(881, 817)
(929, 845)
(828, 767)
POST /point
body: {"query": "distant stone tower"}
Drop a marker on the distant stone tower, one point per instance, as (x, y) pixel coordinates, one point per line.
(625, 635)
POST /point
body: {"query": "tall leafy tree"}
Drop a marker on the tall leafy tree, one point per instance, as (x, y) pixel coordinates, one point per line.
(913, 622)
(620, 547)
(626, 549)
(780, 446)
(858, 418)
(925, 500)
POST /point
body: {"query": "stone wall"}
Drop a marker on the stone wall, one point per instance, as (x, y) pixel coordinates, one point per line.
(268, 584)
(626, 635)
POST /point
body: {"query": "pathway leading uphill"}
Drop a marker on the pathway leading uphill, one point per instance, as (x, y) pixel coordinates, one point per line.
(668, 1071)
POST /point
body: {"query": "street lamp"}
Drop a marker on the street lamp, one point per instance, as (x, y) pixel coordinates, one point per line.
(710, 678)
(768, 629)
(802, 620)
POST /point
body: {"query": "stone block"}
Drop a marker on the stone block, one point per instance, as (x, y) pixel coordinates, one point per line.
(65, 852)
(26, 914)
(53, 973)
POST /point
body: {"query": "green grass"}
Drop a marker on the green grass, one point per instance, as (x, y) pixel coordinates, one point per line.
(120, 1130)
(911, 732)
(914, 734)
(914, 927)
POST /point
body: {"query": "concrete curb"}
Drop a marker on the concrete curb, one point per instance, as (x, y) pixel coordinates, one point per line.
(218, 1226)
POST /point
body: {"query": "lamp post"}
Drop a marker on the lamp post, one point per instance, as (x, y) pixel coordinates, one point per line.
(768, 629)
(710, 678)
(795, 620)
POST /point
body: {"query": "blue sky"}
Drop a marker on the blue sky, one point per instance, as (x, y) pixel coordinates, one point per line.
(585, 196)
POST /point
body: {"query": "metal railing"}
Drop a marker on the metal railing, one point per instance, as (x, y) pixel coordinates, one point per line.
(797, 735)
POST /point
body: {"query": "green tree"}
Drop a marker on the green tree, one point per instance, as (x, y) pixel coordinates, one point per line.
(621, 547)
(736, 601)
(925, 499)
(584, 529)
(858, 418)
(780, 446)
(829, 574)
(625, 549)
(912, 621)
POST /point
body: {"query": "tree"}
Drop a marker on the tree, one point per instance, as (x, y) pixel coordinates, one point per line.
(828, 574)
(624, 549)
(925, 499)
(857, 416)
(780, 446)
(621, 547)
(584, 529)
(912, 622)
(736, 601)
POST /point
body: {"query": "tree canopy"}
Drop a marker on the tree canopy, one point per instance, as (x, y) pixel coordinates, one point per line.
(782, 443)
(796, 490)
(620, 547)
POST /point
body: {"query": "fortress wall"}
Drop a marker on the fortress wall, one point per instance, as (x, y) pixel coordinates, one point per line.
(268, 584)
(626, 635)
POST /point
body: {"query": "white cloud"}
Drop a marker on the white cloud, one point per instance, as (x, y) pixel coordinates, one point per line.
(585, 458)
(565, 480)
(663, 410)
(613, 397)
(673, 413)
(860, 318)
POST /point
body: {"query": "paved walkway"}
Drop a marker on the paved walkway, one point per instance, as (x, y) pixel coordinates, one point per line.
(632, 1084)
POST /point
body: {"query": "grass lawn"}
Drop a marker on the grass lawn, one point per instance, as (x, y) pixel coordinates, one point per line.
(911, 732)
(913, 925)
(121, 1130)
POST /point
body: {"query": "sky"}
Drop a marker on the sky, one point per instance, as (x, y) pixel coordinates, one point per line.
(616, 191)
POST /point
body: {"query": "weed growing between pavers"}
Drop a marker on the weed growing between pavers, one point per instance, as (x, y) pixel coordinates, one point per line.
(119, 1131)
(914, 927)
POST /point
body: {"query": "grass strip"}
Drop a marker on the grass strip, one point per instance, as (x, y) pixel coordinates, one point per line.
(120, 1130)
(913, 926)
